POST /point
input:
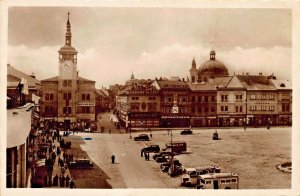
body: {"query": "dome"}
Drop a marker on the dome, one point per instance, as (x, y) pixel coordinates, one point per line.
(213, 67)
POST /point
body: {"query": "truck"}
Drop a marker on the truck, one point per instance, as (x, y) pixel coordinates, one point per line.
(176, 146)
(218, 181)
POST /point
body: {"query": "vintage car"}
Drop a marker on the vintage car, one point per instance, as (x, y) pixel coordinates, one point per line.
(142, 137)
(152, 148)
(81, 163)
(163, 153)
(186, 132)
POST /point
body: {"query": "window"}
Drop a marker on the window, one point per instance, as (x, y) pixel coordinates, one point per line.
(239, 97)
(222, 181)
(67, 110)
(85, 109)
(206, 99)
(285, 107)
(252, 96)
(224, 108)
(48, 109)
(271, 97)
(241, 108)
(236, 108)
(285, 97)
(206, 109)
(199, 99)
(193, 99)
(67, 96)
(135, 98)
(263, 108)
(193, 109)
(224, 98)
(67, 83)
(233, 180)
(152, 98)
(85, 96)
(228, 181)
(253, 108)
(271, 108)
(208, 182)
(49, 96)
(199, 109)
(263, 96)
(213, 109)
(213, 99)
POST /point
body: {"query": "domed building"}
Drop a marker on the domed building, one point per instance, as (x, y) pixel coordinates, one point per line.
(208, 70)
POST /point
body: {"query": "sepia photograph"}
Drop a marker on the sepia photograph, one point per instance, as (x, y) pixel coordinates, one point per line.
(149, 98)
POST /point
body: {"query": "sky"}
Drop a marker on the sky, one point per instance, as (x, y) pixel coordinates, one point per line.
(113, 42)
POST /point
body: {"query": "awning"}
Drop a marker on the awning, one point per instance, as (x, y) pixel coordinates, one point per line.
(18, 125)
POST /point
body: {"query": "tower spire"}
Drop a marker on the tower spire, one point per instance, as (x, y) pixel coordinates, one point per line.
(194, 63)
(68, 32)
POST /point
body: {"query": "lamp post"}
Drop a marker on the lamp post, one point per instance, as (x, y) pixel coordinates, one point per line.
(129, 125)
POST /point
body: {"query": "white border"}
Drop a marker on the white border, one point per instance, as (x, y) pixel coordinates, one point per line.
(294, 5)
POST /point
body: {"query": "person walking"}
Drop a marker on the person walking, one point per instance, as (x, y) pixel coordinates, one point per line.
(72, 184)
(67, 181)
(113, 158)
(142, 152)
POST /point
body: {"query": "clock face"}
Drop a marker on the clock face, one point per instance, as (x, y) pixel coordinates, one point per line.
(68, 64)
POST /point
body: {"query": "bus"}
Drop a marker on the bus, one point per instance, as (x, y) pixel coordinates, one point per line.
(218, 181)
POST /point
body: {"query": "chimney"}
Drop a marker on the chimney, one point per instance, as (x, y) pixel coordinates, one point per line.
(260, 74)
(32, 75)
(183, 79)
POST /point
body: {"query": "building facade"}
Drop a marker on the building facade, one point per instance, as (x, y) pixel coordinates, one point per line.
(67, 97)
(138, 105)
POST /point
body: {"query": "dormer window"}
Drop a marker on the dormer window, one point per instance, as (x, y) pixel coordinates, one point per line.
(282, 85)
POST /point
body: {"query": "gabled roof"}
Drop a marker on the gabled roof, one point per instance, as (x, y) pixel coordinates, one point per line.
(14, 75)
(55, 79)
(102, 92)
(282, 84)
(171, 84)
(254, 82)
(203, 86)
(234, 83)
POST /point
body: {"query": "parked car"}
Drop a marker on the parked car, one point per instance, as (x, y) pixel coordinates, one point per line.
(142, 137)
(152, 148)
(81, 163)
(186, 132)
(163, 153)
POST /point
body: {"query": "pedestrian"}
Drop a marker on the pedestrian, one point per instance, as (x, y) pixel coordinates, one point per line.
(151, 135)
(59, 179)
(72, 184)
(142, 152)
(148, 156)
(145, 156)
(113, 158)
(45, 180)
(67, 181)
(55, 180)
(63, 180)
(109, 131)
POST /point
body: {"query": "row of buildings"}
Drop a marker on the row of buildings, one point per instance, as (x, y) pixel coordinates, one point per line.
(210, 98)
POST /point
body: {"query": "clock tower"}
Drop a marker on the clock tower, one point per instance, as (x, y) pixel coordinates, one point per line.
(68, 57)
(67, 79)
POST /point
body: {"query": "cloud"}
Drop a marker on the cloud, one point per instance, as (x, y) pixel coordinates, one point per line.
(43, 62)
(175, 60)
(170, 60)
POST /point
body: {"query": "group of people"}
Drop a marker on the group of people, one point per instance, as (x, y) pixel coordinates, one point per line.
(51, 153)
(147, 155)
